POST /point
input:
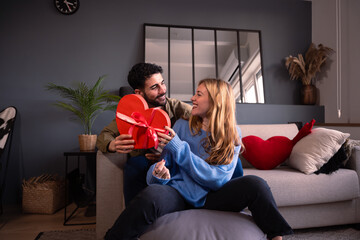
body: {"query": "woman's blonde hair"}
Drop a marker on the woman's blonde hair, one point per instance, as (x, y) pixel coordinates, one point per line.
(222, 135)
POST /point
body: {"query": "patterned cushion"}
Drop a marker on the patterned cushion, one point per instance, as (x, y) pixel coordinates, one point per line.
(7, 119)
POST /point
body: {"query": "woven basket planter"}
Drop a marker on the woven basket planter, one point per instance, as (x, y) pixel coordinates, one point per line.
(44, 194)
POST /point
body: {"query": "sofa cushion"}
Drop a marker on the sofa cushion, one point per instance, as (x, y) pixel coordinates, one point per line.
(314, 150)
(268, 154)
(305, 189)
(266, 131)
(227, 225)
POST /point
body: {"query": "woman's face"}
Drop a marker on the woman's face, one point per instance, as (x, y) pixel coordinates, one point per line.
(201, 102)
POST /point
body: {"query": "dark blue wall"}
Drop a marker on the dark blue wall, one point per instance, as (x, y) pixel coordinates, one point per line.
(38, 45)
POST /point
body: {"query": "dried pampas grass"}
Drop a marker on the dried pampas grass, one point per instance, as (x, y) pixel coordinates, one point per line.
(306, 69)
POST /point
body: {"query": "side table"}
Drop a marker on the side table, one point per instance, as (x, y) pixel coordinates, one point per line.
(78, 155)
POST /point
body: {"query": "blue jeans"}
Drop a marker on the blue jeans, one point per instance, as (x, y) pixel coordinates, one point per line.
(254, 193)
(135, 171)
(157, 200)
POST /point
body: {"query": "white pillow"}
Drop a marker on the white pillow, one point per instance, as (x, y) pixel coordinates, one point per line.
(313, 151)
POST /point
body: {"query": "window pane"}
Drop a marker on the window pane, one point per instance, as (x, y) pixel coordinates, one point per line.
(181, 83)
(228, 62)
(250, 96)
(260, 87)
(250, 64)
(156, 48)
(204, 53)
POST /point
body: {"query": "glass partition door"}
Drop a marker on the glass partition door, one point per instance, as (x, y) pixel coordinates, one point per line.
(189, 54)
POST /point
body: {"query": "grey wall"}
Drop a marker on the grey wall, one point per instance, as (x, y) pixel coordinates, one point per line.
(324, 31)
(39, 45)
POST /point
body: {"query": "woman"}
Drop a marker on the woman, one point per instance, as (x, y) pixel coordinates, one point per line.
(200, 155)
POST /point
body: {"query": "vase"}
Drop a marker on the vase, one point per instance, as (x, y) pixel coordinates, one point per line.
(308, 94)
(87, 142)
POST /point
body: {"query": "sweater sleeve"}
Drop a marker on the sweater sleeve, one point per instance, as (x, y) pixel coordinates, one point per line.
(208, 176)
(239, 172)
(151, 179)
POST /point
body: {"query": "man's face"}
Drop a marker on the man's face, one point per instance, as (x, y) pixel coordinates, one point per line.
(154, 91)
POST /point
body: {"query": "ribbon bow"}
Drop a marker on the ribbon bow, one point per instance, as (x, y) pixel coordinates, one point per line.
(137, 119)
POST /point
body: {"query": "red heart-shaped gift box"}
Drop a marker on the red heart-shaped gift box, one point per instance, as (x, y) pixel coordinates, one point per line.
(134, 117)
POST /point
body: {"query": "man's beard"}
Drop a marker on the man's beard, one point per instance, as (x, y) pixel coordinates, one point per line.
(155, 103)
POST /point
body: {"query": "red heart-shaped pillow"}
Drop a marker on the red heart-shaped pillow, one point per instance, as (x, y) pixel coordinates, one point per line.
(266, 155)
(134, 117)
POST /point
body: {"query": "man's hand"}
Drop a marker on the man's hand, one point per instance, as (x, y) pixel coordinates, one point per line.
(122, 144)
(160, 171)
(153, 157)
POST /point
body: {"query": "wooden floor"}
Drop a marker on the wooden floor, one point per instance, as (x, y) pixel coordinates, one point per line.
(15, 225)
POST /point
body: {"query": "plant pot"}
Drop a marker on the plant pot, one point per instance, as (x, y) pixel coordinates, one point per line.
(308, 94)
(87, 142)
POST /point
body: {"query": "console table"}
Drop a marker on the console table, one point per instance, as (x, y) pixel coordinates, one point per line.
(78, 156)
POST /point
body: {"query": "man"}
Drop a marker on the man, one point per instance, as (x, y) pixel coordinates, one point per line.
(146, 80)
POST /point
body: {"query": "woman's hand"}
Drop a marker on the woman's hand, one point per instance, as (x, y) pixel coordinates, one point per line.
(164, 138)
(160, 171)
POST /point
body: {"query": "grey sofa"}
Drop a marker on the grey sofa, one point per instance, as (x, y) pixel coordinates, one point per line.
(304, 200)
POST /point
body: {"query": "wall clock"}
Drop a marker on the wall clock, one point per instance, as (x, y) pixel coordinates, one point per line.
(67, 6)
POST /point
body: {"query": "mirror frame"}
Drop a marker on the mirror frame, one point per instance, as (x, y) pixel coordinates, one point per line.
(193, 28)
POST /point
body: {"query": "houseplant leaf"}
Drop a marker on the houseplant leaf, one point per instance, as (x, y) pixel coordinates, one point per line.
(84, 102)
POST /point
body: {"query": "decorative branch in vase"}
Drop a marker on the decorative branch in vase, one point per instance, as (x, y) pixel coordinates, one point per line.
(306, 69)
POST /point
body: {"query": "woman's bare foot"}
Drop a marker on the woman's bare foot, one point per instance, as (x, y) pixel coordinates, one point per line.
(277, 238)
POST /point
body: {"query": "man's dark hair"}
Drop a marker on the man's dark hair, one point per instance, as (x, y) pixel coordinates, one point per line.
(140, 72)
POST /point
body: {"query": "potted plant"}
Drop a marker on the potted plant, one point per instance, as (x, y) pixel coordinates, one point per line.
(86, 104)
(306, 69)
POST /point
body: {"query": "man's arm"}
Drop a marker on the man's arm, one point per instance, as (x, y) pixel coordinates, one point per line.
(110, 140)
(108, 134)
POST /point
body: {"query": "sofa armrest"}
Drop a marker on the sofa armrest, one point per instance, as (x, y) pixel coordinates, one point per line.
(354, 161)
(109, 190)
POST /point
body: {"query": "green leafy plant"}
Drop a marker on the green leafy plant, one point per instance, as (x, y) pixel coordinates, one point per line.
(86, 103)
(306, 69)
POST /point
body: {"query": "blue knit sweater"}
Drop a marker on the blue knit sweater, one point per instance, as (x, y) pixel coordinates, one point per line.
(190, 174)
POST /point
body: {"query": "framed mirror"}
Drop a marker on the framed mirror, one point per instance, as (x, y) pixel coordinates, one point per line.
(189, 54)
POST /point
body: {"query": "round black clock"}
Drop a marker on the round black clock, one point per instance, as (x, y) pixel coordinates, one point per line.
(67, 6)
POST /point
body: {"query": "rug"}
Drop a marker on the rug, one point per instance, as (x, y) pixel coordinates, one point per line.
(79, 234)
(326, 233)
(346, 232)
